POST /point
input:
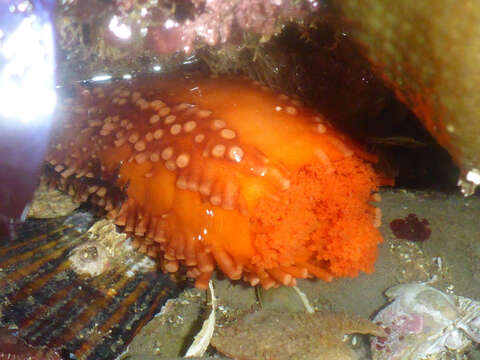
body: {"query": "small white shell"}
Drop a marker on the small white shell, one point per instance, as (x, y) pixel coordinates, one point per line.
(90, 258)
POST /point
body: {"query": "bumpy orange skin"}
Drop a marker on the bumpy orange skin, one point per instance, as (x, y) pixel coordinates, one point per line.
(221, 172)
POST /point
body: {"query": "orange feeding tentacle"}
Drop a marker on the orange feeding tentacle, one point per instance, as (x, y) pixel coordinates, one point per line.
(222, 172)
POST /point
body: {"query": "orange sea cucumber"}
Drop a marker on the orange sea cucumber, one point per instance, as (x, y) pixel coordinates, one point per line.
(221, 172)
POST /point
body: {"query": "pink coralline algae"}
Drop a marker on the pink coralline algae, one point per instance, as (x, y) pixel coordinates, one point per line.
(215, 20)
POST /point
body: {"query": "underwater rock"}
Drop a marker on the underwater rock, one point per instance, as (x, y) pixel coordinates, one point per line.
(50, 203)
(425, 323)
(127, 35)
(427, 51)
(277, 335)
(169, 333)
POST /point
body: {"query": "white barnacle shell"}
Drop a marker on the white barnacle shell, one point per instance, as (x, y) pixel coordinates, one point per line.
(425, 323)
(90, 258)
(100, 251)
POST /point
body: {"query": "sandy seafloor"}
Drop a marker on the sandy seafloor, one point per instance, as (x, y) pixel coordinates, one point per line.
(451, 255)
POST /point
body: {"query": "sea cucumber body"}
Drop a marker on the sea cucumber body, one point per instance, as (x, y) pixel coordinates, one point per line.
(221, 172)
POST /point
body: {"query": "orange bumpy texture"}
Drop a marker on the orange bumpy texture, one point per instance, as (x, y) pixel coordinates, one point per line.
(221, 172)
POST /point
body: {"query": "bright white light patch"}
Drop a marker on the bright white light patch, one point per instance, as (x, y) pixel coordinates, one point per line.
(157, 68)
(102, 77)
(170, 24)
(122, 31)
(127, 76)
(26, 81)
(24, 6)
(473, 176)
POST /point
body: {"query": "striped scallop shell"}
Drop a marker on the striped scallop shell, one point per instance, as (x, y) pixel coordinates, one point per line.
(45, 293)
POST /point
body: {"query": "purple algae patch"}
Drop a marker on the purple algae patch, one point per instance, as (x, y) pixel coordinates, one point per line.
(411, 228)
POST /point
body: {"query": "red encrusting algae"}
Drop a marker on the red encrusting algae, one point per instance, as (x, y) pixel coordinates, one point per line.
(411, 228)
(221, 172)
